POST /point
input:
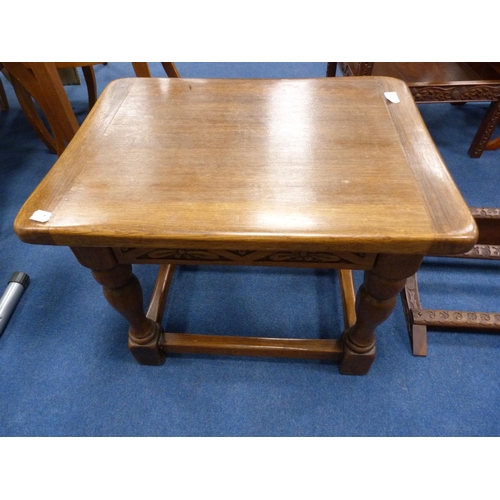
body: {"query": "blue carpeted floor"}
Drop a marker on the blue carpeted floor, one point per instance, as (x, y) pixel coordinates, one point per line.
(65, 369)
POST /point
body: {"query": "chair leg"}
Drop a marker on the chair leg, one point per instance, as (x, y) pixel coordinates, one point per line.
(89, 75)
(170, 69)
(331, 69)
(412, 307)
(4, 103)
(485, 130)
(348, 295)
(33, 117)
(41, 82)
(141, 69)
(493, 144)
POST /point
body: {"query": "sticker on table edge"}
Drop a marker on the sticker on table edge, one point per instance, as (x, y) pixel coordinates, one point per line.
(41, 216)
(392, 97)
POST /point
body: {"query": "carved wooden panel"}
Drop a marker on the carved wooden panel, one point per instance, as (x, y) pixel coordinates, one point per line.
(483, 252)
(441, 318)
(410, 295)
(418, 319)
(485, 212)
(447, 93)
(346, 71)
(457, 319)
(362, 69)
(245, 257)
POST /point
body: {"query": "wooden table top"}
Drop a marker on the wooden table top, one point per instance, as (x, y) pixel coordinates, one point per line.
(306, 164)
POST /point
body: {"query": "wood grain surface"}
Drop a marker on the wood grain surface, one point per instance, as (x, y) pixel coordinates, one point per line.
(309, 164)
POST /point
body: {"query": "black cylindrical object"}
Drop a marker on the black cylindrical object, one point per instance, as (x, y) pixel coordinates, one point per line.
(18, 282)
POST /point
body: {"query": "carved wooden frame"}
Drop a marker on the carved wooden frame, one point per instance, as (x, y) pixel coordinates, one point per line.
(419, 319)
(452, 92)
(244, 257)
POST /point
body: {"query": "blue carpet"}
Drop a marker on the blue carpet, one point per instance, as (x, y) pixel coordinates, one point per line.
(65, 369)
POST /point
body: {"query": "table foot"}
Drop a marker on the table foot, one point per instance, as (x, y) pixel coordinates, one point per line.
(127, 299)
(375, 302)
(147, 350)
(354, 362)
(123, 291)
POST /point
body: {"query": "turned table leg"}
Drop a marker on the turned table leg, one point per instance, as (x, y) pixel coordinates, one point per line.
(375, 301)
(123, 291)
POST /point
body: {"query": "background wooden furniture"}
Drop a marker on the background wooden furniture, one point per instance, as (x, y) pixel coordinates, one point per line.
(142, 69)
(494, 144)
(252, 172)
(442, 82)
(420, 319)
(88, 74)
(4, 103)
(40, 83)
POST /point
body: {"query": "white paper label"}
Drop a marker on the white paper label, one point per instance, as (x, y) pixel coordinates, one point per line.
(392, 96)
(41, 216)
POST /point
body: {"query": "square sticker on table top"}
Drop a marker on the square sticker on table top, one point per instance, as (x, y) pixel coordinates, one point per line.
(41, 216)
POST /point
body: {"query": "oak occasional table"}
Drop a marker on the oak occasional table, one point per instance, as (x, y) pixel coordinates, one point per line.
(323, 172)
